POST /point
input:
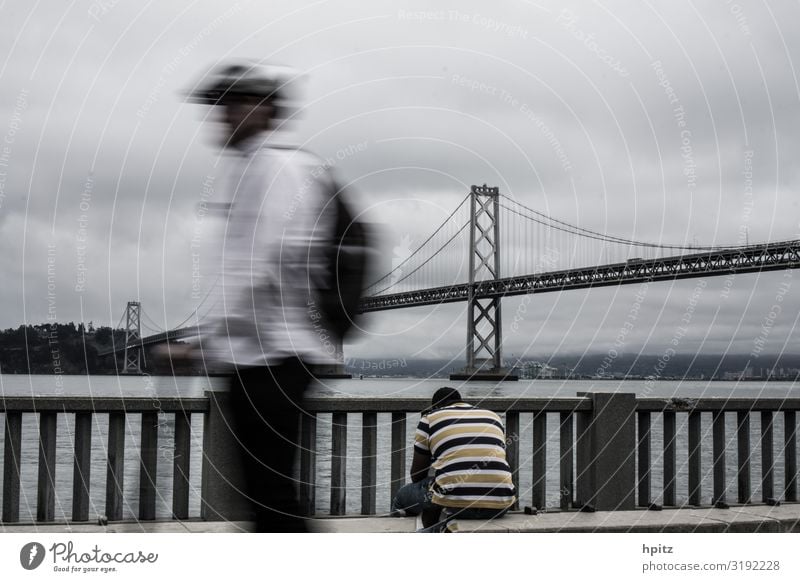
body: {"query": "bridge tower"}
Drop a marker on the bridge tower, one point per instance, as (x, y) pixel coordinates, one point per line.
(133, 333)
(484, 321)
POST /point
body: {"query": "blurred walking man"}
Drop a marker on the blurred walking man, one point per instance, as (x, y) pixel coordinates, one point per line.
(278, 231)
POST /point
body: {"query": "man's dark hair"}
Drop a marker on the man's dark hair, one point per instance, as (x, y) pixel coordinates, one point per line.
(444, 397)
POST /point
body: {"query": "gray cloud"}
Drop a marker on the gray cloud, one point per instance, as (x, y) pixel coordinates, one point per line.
(565, 111)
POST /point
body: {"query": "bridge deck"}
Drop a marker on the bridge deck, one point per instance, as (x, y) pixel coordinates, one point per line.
(750, 518)
(752, 259)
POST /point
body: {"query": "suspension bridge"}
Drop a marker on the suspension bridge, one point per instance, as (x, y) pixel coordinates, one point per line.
(493, 246)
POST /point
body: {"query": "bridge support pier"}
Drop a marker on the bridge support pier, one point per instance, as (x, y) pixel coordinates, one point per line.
(484, 318)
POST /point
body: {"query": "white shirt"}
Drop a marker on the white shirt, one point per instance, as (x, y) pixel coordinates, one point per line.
(280, 224)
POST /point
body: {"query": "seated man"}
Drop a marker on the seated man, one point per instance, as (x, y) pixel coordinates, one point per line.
(465, 447)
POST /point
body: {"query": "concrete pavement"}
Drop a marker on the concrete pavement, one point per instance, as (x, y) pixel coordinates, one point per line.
(747, 518)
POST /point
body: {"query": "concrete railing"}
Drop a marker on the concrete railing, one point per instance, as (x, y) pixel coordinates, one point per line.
(84, 410)
(769, 411)
(220, 487)
(605, 454)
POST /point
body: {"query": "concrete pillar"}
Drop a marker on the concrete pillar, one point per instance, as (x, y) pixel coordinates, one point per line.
(612, 466)
(223, 484)
(583, 457)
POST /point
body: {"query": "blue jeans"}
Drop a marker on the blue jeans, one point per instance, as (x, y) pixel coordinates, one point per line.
(414, 498)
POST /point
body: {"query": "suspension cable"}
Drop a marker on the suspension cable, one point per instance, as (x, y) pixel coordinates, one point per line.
(451, 239)
(572, 229)
(419, 248)
(151, 320)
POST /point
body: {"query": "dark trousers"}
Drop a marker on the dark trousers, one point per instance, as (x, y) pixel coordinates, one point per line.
(267, 405)
(416, 498)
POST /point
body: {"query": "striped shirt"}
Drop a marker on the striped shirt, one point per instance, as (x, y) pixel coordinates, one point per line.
(468, 455)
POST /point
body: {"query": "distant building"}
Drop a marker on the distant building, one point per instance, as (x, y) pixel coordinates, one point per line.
(540, 370)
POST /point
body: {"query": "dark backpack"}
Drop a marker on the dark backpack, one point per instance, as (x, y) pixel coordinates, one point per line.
(336, 298)
(348, 261)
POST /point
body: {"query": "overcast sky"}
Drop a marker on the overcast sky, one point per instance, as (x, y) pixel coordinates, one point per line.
(638, 119)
